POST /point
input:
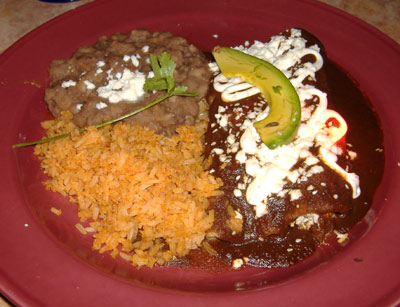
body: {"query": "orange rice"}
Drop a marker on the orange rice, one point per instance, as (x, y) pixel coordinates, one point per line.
(141, 195)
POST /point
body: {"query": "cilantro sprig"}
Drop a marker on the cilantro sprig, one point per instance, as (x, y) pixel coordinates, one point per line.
(163, 80)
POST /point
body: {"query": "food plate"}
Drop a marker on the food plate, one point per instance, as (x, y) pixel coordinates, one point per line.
(46, 262)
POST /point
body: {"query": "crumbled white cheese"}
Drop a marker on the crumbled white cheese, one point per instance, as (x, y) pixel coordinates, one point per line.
(145, 48)
(310, 187)
(132, 58)
(134, 61)
(341, 237)
(100, 63)
(101, 105)
(69, 83)
(237, 263)
(295, 194)
(307, 220)
(316, 169)
(125, 86)
(89, 85)
(237, 192)
(218, 151)
(213, 67)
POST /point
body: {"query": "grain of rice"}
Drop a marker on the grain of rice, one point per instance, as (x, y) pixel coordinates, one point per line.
(90, 229)
(125, 256)
(81, 229)
(56, 211)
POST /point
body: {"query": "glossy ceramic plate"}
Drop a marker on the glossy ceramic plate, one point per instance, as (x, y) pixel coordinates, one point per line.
(44, 261)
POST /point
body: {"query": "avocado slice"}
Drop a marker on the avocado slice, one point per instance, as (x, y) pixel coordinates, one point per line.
(280, 126)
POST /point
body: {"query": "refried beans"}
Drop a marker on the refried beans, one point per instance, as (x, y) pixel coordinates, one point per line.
(102, 82)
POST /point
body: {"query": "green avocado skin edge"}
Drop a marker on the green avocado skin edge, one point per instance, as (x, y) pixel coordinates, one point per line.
(281, 125)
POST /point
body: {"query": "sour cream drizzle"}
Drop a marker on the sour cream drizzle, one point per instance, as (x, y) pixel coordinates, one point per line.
(269, 170)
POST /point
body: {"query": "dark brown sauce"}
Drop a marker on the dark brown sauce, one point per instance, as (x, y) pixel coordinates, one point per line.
(290, 245)
(364, 134)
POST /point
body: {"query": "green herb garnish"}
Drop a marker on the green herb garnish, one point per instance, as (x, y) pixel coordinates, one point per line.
(163, 79)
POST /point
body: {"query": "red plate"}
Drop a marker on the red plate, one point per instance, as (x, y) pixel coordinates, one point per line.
(46, 262)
